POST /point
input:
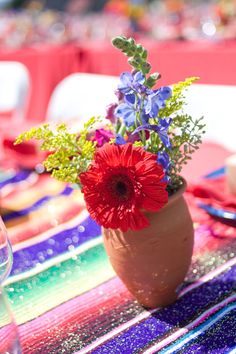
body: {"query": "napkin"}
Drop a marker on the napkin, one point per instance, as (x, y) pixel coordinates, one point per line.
(26, 155)
(214, 192)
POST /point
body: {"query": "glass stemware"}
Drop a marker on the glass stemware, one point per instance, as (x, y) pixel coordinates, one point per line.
(9, 342)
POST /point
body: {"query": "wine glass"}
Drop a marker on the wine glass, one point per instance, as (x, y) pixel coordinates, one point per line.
(9, 342)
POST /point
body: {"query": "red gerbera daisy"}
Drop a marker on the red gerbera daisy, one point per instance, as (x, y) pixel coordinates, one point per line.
(122, 181)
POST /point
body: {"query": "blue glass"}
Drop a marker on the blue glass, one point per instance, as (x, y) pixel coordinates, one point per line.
(9, 341)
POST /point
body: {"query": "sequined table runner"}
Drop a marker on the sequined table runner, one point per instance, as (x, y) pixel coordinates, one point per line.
(67, 299)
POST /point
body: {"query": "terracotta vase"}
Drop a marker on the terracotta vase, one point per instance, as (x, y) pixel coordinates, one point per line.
(153, 262)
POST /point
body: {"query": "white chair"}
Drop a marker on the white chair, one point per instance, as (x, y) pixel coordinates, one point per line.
(81, 96)
(217, 103)
(14, 89)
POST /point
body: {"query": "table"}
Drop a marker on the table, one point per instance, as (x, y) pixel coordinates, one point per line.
(66, 298)
(213, 62)
(47, 66)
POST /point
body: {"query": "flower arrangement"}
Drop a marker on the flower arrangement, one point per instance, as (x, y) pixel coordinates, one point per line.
(134, 162)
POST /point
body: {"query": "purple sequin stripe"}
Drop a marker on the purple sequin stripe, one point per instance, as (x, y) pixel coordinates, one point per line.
(16, 214)
(217, 338)
(186, 309)
(27, 258)
(20, 176)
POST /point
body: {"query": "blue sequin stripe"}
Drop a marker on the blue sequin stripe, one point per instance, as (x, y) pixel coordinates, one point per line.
(17, 177)
(217, 331)
(27, 258)
(15, 214)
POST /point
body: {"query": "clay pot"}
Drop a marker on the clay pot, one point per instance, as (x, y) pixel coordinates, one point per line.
(153, 262)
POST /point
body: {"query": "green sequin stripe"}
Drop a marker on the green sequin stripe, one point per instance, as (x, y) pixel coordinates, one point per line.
(44, 291)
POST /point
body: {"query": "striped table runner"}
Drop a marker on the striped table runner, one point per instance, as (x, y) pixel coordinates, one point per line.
(66, 298)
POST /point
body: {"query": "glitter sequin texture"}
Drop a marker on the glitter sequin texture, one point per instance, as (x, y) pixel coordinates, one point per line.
(66, 295)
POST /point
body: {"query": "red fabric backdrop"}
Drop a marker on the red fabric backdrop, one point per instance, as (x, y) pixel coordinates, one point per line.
(213, 62)
(47, 66)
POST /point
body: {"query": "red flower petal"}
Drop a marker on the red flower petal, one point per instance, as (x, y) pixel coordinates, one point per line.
(122, 181)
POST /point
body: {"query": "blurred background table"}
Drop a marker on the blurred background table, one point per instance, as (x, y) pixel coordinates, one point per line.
(47, 66)
(214, 63)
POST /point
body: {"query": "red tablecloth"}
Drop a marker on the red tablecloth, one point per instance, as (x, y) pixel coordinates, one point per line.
(213, 62)
(47, 66)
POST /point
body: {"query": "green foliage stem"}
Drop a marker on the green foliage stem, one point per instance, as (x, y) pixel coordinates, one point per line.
(69, 154)
(137, 57)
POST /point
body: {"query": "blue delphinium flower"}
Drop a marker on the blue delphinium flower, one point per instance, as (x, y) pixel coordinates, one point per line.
(161, 129)
(164, 159)
(156, 100)
(130, 83)
(165, 92)
(144, 117)
(128, 109)
(127, 112)
(130, 98)
(126, 80)
(120, 140)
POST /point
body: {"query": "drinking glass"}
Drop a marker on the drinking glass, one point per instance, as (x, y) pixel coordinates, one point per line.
(9, 341)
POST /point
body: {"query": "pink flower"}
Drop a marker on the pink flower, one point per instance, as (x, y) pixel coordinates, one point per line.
(102, 136)
(119, 95)
(110, 109)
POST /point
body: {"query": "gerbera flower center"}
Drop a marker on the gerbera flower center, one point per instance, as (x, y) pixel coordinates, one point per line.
(121, 187)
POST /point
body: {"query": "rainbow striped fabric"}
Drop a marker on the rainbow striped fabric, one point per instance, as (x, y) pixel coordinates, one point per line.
(66, 298)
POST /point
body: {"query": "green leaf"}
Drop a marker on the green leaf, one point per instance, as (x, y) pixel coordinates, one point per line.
(70, 155)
